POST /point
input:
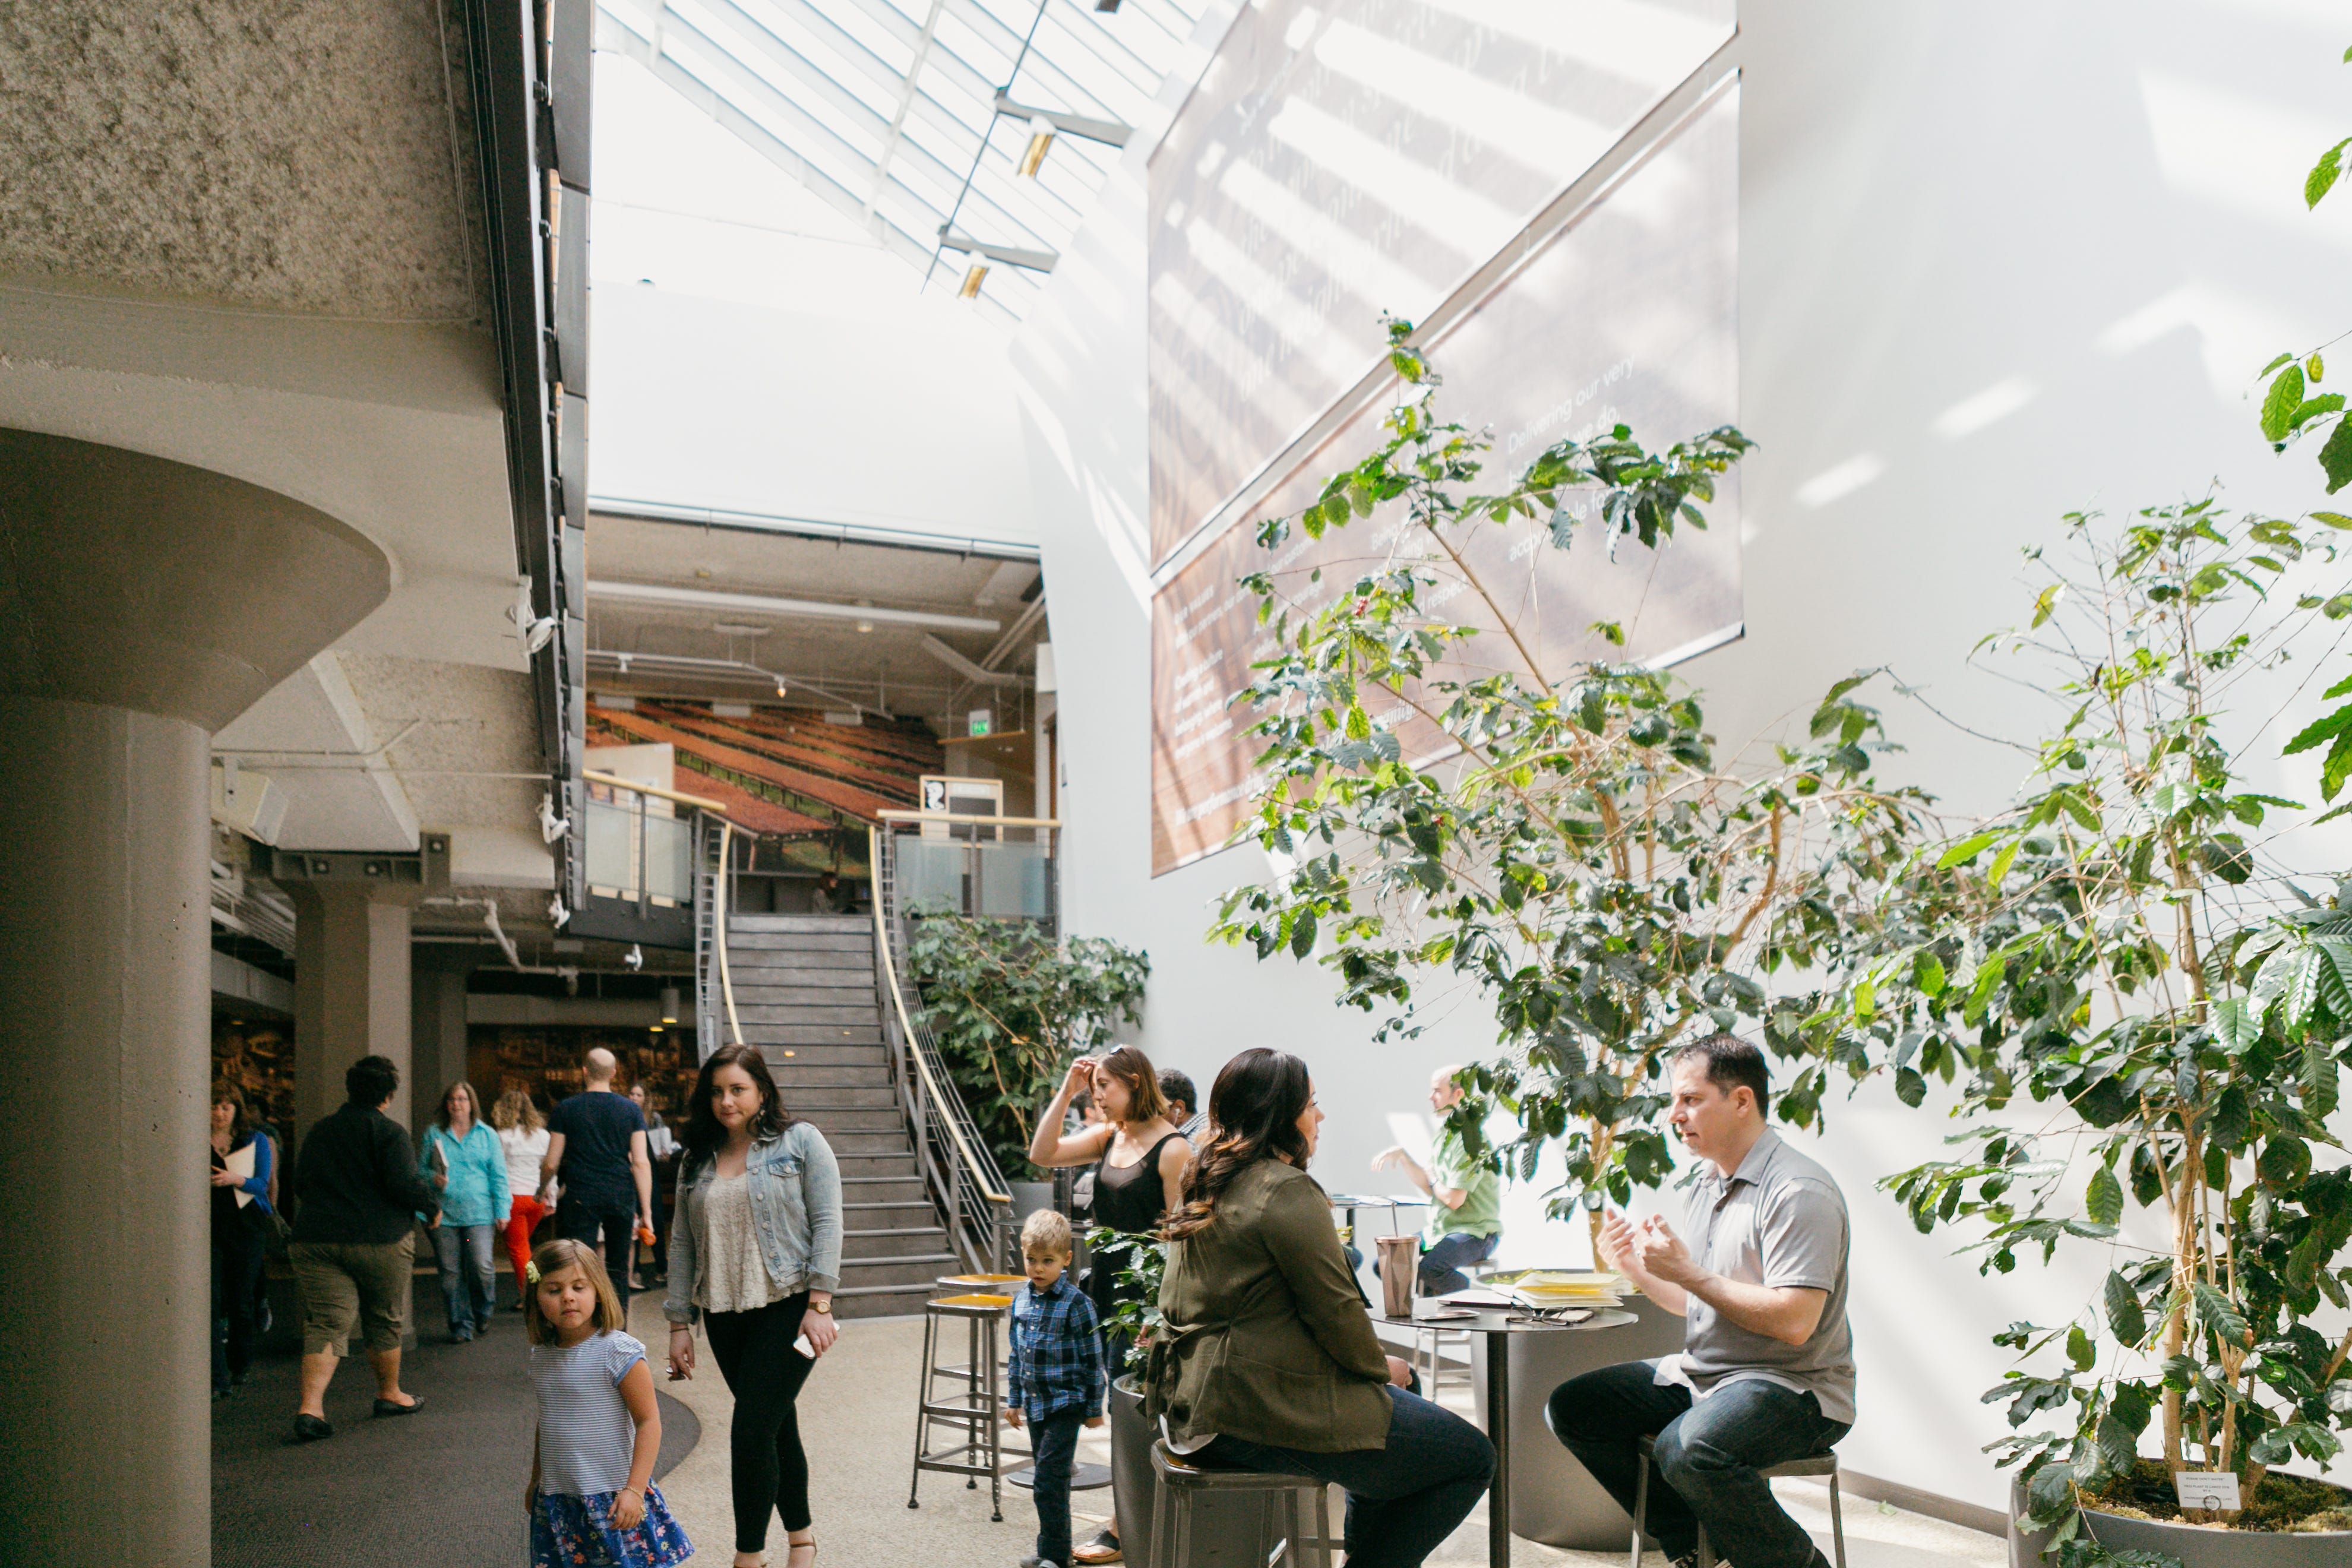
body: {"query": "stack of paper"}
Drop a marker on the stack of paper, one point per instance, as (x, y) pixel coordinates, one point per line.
(1550, 1288)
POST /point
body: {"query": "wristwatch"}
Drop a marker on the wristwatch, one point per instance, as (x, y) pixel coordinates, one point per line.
(826, 1308)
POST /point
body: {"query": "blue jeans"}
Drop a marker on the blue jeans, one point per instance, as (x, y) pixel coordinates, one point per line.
(1403, 1500)
(469, 1281)
(1708, 1457)
(1055, 1442)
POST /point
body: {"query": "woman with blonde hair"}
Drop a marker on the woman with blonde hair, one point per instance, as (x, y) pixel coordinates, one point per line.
(522, 1138)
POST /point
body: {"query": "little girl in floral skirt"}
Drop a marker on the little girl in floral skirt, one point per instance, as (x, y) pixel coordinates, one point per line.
(592, 1498)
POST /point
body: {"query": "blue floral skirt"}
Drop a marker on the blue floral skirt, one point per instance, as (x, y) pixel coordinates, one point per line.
(569, 1532)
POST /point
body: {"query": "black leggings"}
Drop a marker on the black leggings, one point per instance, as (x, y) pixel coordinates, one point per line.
(755, 1355)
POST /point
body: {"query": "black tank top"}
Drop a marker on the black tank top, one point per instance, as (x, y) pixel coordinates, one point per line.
(1129, 1198)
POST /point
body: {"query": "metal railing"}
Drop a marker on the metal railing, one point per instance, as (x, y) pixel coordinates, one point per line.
(1001, 867)
(956, 1165)
(655, 846)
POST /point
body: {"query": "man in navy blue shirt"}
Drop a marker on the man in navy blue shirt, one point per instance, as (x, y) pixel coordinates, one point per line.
(596, 1146)
(1056, 1375)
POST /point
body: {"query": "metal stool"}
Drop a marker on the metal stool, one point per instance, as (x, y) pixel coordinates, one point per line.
(995, 1282)
(1814, 1465)
(1428, 1345)
(1179, 1484)
(969, 1408)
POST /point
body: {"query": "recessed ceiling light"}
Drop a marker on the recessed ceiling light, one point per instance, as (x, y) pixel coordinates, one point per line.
(739, 629)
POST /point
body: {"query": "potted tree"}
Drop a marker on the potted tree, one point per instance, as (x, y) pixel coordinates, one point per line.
(1010, 1008)
(1445, 807)
(2145, 1015)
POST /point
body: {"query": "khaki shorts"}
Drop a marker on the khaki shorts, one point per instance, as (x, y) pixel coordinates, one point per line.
(343, 1282)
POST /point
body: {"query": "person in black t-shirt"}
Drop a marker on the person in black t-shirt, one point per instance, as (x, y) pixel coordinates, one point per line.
(596, 1144)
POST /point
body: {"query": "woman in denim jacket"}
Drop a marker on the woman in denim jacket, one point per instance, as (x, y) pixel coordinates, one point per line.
(755, 1256)
(467, 1164)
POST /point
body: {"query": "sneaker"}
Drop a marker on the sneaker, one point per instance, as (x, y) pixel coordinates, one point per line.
(461, 1337)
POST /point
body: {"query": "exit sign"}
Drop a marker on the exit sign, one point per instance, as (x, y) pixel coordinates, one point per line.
(982, 722)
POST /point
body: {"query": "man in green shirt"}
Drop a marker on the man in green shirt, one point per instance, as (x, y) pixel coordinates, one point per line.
(1465, 1213)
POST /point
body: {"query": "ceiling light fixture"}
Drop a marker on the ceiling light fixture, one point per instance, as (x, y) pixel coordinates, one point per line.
(670, 1005)
(1041, 138)
(865, 626)
(739, 629)
(971, 281)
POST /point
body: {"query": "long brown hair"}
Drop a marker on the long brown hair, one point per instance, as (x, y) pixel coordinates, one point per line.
(473, 1104)
(1145, 1103)
(1255, 1105)
(703, 1135)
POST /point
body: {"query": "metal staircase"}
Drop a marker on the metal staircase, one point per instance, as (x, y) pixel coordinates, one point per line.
(803, 991)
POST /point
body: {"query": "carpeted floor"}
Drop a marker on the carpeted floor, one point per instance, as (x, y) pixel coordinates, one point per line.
(444, 1486)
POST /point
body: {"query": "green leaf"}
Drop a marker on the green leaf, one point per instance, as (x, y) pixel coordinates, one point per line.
(2079, 1350)
(2321, 178)
(1302, 935)
(2279, 403)
(2235, 1025)
(2046, 605)
(2105, 1201)
(2332, 519)
(2125, 1319)
(2335, 457)
(1975, 844)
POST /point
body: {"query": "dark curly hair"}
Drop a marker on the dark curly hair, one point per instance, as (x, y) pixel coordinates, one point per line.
(703, 1135)
(1255, 1105)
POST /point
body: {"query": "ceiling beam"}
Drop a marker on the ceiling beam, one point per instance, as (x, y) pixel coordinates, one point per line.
(806, 610)
(971, 672)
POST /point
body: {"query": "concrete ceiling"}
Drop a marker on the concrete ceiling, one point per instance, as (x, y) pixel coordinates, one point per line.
(249, 238)
(824, 660)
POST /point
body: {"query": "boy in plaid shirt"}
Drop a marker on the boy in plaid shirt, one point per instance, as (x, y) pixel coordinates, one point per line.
(1057, 1376)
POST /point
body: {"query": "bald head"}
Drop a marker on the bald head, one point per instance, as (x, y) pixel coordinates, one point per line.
(599, 1066)
(1444, 1092)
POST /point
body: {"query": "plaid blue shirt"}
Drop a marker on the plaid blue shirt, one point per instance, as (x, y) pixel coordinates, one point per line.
(1056, 1363)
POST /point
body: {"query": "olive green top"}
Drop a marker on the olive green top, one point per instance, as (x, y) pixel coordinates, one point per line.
(1268, 1339)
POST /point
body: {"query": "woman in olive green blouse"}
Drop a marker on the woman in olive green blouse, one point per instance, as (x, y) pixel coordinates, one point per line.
(1268, 1360)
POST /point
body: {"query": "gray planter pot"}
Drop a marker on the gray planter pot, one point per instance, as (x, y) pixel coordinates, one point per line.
(2195, 1547)
(1227, 1532)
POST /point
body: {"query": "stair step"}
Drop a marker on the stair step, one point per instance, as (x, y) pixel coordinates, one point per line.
(885, 1208)
(915, 1270)
(857, 942)
(809, 1014)
(845, 1144)
(840, 1097)
(900, 1165)
(832, 1119)
(863, 1246)
(767, 924)
(786, 985)
(764, 1035)
(883, 1190)
(883, 1302)
(834, 1051)
(842, 1075)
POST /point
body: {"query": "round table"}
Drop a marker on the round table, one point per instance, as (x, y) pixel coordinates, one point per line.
(1498, 1324)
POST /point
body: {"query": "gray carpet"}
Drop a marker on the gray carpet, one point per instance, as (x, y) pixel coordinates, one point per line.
(442, 1486)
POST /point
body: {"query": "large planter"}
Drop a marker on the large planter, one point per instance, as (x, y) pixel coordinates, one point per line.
(1228, 1531)
(2196, 1546)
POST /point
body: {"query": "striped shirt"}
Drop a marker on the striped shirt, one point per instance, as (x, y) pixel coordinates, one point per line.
(586, 1439)
(1056, 1363)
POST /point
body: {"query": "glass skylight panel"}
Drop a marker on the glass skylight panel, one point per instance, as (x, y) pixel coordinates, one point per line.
(891, 127)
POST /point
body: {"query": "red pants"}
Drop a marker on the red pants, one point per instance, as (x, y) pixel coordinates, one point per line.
(526, 1213)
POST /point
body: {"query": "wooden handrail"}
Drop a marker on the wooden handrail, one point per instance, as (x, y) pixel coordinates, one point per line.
(914, 1047)
(973, 821)
(615, 781)
(719, 929)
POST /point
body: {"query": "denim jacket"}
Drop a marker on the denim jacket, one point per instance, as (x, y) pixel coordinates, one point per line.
(795, 1207)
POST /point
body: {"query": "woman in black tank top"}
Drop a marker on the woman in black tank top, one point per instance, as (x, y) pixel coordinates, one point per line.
(1140, 1158)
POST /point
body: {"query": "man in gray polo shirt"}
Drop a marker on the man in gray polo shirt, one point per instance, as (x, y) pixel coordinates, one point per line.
(1766, 1372)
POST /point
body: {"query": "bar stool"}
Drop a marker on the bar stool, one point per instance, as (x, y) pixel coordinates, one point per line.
(1812, 1465)
(1181, 1484)
(1429, 1345)
(989, 1282)
(969, 1408)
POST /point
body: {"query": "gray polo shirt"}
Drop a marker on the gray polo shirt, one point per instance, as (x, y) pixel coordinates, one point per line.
(1777, 1221)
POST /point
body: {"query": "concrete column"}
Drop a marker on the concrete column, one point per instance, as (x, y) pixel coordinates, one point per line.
(105, 1281)
(350, 988)
(436, 1022)
(143, 604)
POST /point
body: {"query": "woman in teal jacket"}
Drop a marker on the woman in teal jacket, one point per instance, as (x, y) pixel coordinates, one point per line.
(463, 1160)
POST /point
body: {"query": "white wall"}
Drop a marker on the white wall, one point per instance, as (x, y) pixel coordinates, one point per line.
(2089, 211)
(755, 351)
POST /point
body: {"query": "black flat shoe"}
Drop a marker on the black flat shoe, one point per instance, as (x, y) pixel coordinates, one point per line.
(388, 1407)
(310, 1429)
